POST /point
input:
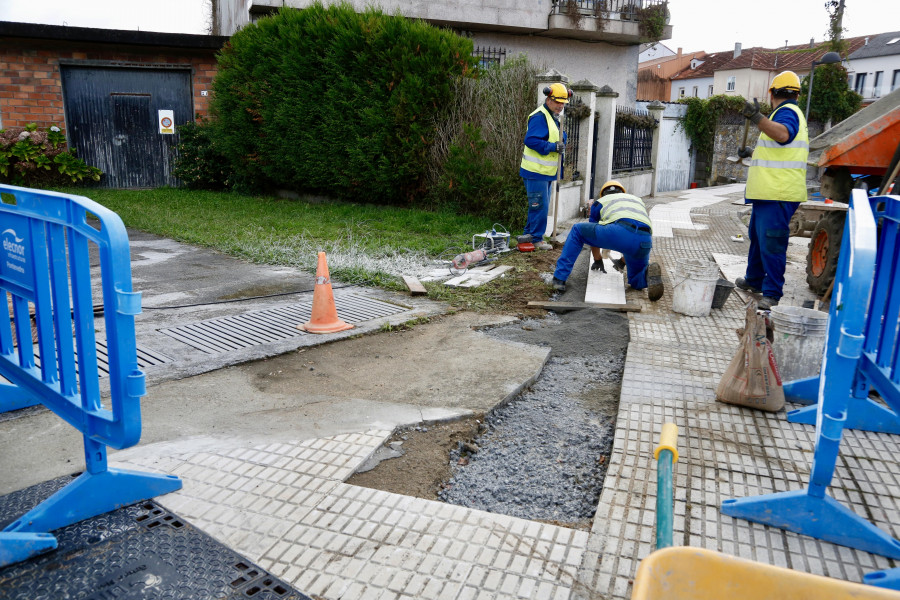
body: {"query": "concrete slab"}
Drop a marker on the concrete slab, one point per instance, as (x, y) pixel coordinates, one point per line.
(605, 288)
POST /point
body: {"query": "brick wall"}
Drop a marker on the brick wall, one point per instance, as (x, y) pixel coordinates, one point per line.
(31, 85)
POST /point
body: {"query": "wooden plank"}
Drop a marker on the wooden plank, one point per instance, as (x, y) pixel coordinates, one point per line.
(605, 288)
(564, 306)
(415, 286)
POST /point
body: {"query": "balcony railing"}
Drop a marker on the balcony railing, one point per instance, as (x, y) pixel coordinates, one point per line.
(625, 10)
(607, 20)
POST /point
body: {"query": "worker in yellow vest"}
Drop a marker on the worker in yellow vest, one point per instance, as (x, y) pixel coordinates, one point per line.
(776, 185)
(618, 221)
(543, 142)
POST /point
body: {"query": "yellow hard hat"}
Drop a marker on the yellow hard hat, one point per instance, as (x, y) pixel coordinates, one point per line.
(609, 187)
(558, 92)
(786, 80)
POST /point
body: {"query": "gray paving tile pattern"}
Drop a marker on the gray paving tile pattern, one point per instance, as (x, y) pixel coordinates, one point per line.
(285, 505)
(673, 366)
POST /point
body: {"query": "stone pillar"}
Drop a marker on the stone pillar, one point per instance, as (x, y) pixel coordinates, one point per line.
(606, 128)
(656, 109)
(587, 93)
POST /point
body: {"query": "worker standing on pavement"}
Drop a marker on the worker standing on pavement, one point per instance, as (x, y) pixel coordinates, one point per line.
(776, 185)
(618, 221)
(543, 143)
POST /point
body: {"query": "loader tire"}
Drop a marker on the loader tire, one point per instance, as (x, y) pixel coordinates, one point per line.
(824, 247)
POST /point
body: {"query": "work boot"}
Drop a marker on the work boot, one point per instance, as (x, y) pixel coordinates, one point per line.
(619, 264)
(559, 285)
(767, 303)
(655, 287)
(542, 245)
(742, 283)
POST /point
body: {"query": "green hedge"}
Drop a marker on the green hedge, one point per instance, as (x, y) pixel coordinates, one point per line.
(330, 101)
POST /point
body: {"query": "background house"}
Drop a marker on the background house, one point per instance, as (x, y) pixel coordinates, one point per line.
(874, 68)
(654, 51)
(105, 89)
(551, 34)
(655, 76)
(749, 73)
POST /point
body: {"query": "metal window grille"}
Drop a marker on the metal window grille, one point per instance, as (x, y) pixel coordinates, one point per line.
(572, 127)
(489, 56)
(631, 145)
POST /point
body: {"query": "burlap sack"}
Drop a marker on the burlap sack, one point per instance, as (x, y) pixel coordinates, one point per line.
(752, 378)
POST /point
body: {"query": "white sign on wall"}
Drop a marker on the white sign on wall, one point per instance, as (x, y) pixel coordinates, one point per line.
(166, 121)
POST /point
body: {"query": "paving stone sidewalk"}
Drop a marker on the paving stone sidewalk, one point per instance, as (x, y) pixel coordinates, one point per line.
(285, 506)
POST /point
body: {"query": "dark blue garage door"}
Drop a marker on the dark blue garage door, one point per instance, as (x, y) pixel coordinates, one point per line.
(112, 120)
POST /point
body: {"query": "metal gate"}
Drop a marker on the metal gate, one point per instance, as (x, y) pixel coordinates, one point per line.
(115, 123)
(673, 169)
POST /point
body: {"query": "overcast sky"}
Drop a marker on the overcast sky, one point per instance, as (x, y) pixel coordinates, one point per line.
(715, 26)
(711, 25)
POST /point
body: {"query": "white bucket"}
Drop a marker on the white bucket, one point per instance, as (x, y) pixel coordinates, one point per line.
(695, 286)
(799, 341)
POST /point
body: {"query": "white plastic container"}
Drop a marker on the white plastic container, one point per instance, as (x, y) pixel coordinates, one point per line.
(799, 341)
(695, 286)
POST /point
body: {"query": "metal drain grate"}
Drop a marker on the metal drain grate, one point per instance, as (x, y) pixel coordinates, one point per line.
(225, 334)
(145, 358)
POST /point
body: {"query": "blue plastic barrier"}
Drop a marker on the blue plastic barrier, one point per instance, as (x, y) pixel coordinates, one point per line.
(861, 351)
(45, 268)
(863, 413)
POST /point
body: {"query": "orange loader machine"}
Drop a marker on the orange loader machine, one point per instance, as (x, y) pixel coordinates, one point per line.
(860, 151)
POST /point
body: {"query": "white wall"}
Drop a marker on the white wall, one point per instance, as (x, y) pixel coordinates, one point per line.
(702, 84)
(510, 14)
(598, 62)
(656, 51)
(673, 164)
(886, 64)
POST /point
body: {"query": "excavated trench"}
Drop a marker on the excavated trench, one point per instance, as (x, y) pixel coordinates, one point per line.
(544, 454)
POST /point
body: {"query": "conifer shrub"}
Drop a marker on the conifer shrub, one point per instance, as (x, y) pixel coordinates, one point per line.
(325, 100)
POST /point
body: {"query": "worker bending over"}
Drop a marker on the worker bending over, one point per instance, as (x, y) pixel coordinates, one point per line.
(540, 160)
(618, 221)
(776, 185)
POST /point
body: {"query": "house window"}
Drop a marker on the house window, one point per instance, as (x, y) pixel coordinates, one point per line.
(731, 84)
(696, 89)
(895, 80)
(681, 92)
(710, 92)
(860, 83)
(876, 86)
(489, 56)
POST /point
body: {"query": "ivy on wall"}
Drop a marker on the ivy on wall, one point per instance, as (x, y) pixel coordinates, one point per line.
(702, 116)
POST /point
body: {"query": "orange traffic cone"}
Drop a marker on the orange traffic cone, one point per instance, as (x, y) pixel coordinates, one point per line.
(324, 313)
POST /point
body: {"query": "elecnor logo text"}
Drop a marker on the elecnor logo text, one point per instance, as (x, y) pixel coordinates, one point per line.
(14, 246)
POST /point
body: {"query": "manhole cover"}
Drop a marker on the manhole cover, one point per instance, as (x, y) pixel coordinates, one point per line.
(226, 334)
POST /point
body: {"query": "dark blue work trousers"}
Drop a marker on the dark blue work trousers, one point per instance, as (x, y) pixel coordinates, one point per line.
(538, 191)
(769, 233)
(634, 244)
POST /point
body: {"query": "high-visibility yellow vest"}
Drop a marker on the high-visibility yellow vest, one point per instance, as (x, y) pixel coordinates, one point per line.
(778, 171)
(623, 206)
(542, 164)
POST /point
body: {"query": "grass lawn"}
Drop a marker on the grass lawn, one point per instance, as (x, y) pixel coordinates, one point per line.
(365, 243)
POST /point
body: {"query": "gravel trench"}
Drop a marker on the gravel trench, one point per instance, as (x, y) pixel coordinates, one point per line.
(544, 454)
